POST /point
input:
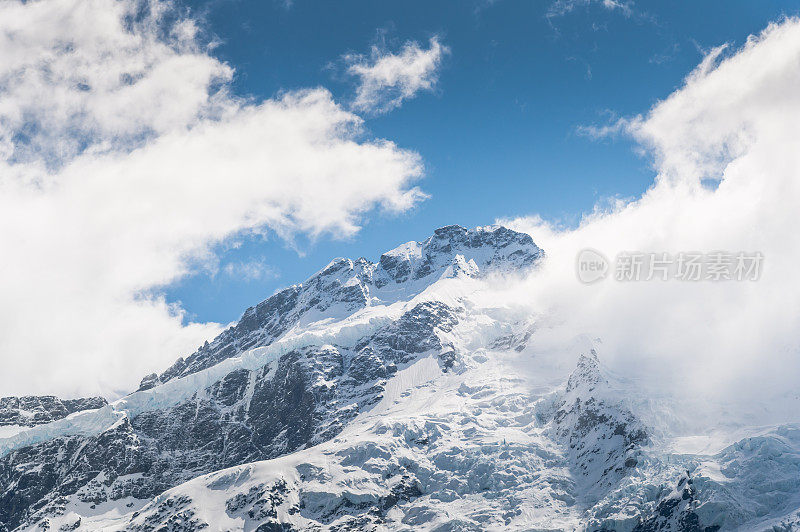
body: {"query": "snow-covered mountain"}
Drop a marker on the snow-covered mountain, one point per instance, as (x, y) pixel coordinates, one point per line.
(19, 413)
(36, 410)
(390, 396)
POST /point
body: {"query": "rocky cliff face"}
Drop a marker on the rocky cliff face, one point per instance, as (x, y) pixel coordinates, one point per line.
(306, 397)
(384, 395)
(36, 410)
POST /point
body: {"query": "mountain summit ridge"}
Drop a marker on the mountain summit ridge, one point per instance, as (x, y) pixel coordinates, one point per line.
(345, 286)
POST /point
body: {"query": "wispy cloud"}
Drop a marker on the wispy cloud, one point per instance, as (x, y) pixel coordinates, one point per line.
(252, 270)
(562, 7)
(609, 130)
(666, 56)
(387, 79)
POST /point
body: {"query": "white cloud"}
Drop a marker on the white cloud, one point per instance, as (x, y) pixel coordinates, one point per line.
(125, 160)
(99, 72)
(386, 79)
(734, 120)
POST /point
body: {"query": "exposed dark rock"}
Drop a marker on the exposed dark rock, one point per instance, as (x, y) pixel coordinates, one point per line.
(39, 409)
(675, 512)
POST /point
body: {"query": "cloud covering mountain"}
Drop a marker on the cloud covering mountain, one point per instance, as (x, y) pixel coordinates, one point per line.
(726, 153)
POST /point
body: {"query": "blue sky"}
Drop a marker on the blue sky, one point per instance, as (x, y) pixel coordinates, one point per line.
(144, 142)
(498, 136)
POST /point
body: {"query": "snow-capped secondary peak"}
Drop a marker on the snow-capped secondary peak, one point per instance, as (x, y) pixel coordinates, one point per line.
(603, 436)
(587, 375)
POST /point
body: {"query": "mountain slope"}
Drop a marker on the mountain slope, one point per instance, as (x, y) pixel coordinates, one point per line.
(217, 410)
(28, 411)
(391, 395)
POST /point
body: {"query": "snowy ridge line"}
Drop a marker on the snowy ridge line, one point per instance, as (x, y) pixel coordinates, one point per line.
(92, 422)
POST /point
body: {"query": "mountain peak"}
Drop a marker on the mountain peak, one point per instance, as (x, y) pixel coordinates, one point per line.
(490, 248)
(346, 286)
